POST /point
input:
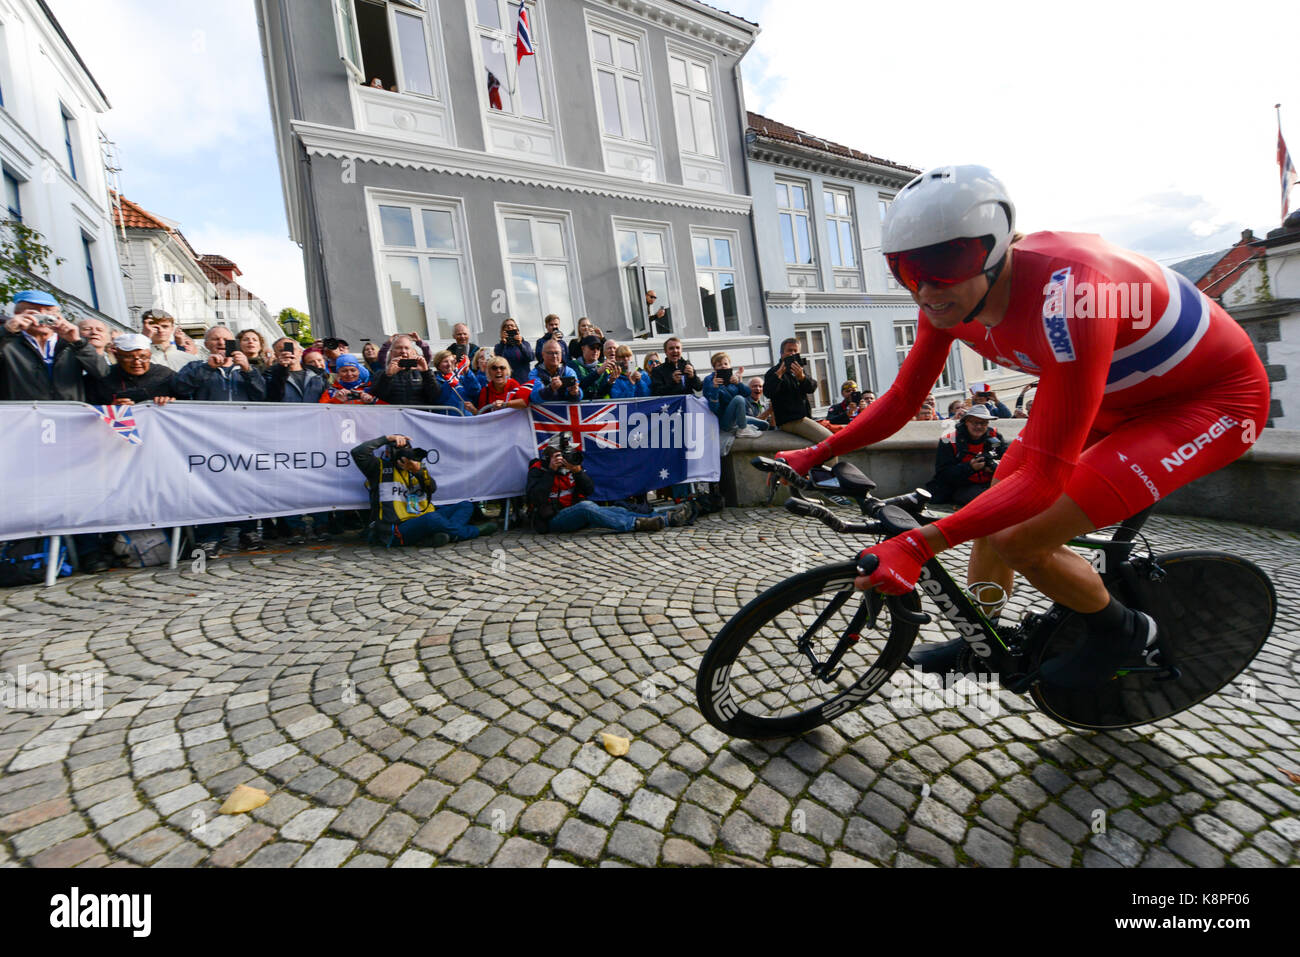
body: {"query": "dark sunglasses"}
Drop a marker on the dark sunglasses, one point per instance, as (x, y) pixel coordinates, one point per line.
(943, 264)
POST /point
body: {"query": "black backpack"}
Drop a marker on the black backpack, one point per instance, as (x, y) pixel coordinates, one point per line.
(22, 562)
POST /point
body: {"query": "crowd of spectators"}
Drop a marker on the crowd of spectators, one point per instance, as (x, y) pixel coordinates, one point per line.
(43, 357)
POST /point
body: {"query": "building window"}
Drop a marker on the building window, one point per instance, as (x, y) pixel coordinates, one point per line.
(692, 86)
(644, 254)
(620, 85)
(716, 274)
(86, 245)
(840, 236)
(855, 340)
(13, 203)
(68, 130)
(988, 365)
(495, 34)
(388, 42)
(905, 338)
(812, 346)
(422, 255)
(884, 202)
(793, 211)
(539, 263)
(173, 277)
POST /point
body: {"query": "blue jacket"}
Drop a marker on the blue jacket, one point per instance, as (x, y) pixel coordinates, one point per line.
(624, 389)
(717, 397)
(198, 380)
(543, 393)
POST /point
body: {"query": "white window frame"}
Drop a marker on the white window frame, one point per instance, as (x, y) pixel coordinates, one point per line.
(949, 378)
(883, 202)
(506, 35)
(345, 15)
(624, 156)
(417, 201)
(852, 273)
(799, 275)
(565, 220)
(716, 161)
(819, 364)
(712, 233)
(852, 354)
(354, 61)
(639, 323)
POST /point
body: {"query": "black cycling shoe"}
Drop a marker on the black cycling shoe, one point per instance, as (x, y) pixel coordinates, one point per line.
(939, 658)
(1095, 660)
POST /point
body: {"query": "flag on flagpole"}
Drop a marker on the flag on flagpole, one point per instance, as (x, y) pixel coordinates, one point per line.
(121, 419)
(1285, 168)
(494, 90)
(523, 35)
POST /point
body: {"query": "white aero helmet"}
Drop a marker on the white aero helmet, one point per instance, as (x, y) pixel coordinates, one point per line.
(951, 202)
(949, 224)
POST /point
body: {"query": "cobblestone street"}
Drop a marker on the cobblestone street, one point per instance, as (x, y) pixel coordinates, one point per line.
(446, 707)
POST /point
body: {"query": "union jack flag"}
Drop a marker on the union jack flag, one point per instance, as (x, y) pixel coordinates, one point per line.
(599, 426)
(121, 419)
(523, 35)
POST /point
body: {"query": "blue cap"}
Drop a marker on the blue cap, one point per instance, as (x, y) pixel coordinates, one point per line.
(35, 296)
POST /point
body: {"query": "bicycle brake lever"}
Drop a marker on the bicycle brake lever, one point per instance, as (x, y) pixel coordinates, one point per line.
(897, 607)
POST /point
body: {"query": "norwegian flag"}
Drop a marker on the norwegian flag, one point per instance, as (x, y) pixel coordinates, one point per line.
(523, 35)
(599, 426)
(1287, 170)
(494, 91)
(121, 419)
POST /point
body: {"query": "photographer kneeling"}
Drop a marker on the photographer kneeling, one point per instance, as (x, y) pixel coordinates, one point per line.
(558, 493)
(966, 458)
(400, 493)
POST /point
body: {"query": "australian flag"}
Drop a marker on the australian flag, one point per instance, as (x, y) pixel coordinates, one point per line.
(632, 446)
(121, 419)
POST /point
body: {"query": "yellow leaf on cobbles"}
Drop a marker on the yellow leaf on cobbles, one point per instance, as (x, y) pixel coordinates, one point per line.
(615, 745)
(244, 799)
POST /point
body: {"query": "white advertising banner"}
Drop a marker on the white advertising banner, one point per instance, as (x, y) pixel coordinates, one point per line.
(65, 469)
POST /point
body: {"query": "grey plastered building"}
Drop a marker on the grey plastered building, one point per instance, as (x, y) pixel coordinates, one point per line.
(817, 211)
(615, 162)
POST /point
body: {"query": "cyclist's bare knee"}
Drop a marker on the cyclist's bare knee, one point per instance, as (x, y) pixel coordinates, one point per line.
(1022, 549)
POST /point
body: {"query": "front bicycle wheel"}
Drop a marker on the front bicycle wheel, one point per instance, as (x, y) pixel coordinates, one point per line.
(1214, 612)
(765, 675)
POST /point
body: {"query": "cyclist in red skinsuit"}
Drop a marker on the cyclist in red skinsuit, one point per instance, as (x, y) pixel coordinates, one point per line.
(1119, 344)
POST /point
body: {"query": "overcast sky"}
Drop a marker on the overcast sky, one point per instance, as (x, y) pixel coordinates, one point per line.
(1150, 123)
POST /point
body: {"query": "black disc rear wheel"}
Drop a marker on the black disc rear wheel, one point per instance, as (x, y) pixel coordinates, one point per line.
(1214, 612)
(757, 678)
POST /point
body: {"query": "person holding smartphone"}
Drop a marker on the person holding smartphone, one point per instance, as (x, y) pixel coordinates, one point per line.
(224, 376)
(789, 385)
(514, 350)
(675, 375)
(726, 393)
(408, 380)
(552, 381)
(631, 383)
(553, 331)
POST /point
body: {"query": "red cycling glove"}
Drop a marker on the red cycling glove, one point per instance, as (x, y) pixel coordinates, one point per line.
(900, 560)
(804, 460)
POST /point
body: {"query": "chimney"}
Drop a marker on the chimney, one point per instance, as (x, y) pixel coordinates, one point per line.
(1247, 236)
